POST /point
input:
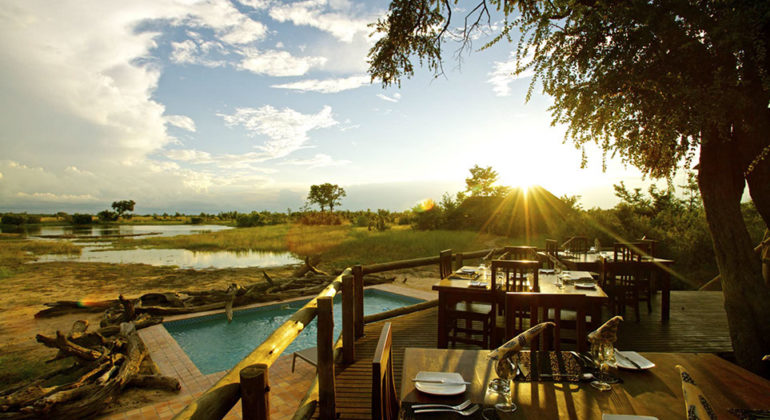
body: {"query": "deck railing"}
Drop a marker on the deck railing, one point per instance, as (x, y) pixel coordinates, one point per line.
(249, 378)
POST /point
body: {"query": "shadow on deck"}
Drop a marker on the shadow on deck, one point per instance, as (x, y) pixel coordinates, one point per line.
(698, 324)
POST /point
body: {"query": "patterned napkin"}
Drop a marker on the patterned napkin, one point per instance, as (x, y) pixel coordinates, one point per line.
(607, 333)
(698, 407)
(517, 343)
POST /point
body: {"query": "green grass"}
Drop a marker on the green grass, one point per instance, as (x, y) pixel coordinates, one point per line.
(339, 246)
(365, 247)
(14, 252)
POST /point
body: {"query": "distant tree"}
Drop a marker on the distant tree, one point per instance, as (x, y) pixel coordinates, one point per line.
(82, 219)
(326, 195)
(107, 216)
(123, 206)
(481, 183)
(658, 84)
(62, 215)
(14, 219)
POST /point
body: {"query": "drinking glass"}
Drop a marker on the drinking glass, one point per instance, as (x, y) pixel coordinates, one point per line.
(506, 370)
(603, 353)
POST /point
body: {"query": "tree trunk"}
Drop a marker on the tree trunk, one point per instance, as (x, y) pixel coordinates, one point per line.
(721, 184)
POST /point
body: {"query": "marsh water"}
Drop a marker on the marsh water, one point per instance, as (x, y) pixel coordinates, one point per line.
(182, 258)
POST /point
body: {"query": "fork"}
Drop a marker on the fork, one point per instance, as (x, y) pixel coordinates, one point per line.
(465, 413)
(459, 407)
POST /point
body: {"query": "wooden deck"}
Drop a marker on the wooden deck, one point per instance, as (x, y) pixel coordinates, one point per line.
(698, 324)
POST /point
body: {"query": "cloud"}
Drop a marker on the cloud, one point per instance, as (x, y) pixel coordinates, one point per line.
(318, 161)
(314, 13)
(230, 25)
(278, 63)
(395, 98)
(197, 52)
(189, 155)
(47, 196)
(286, 128)
(256, 4)
(503, 74)
(326, 86)
(182, 121)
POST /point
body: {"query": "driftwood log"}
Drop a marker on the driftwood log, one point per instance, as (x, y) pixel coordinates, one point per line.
(105, 372)
(147, 309)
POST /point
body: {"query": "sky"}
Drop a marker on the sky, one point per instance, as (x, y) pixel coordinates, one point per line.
(218, 105)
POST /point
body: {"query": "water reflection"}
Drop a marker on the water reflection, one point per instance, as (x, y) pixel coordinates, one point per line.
(108, 230)
(181, 258)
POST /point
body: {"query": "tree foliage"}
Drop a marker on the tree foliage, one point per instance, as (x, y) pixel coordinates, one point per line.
(123, 206)
(326, 195)
(482, 182)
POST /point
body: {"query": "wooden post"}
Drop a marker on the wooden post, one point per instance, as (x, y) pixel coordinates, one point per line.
(326, 394)
(358, 285)
(348, 320)
(254, 392)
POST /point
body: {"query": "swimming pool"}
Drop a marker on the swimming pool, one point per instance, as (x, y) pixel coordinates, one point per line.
(214, 345)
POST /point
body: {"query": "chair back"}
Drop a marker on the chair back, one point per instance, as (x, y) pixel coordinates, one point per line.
(577, 245)
(445, 263)
(568, 312)
(631, 251)
(516, 275)
(551, 247)
(519, 253)
(523, 310)
(385, 404)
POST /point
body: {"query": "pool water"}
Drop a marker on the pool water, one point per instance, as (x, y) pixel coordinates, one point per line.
(215, 346)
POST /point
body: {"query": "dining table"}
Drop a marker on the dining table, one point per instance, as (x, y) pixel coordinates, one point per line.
(456, 288)
(655, 391)
(592, 262)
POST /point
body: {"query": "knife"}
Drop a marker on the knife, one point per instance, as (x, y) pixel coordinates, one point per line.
(628, 359)
(440, 381)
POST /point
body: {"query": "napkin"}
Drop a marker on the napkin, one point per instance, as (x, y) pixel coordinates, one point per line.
(517, 343)
(698, 407)
(608, 332)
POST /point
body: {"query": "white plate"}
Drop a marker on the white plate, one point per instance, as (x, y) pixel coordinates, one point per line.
(468, 270)
(636, 357)
(440, 389)
(585, 286)
(626, 417)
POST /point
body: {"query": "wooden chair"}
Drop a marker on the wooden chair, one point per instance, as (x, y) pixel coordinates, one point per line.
(568, 312)
(576, 245)
(622, 281)
(385, 403)
(468, 319)
(551, 251)
(519, 253)
(514, 275)
(445, 263)
(637, 252)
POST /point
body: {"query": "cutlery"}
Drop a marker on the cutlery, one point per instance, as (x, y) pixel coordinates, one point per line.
(459, 407)
(440, 381)
(626, 358)
(465, 413)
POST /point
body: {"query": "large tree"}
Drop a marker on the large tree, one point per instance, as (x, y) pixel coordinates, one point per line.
(658, 83)
(326, 195)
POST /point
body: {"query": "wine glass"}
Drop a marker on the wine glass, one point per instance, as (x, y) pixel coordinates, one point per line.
(603, 353)
(506, 370)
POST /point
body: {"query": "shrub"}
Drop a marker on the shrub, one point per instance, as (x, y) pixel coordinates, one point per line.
(320, 218)
(249, 220)
(82, 219)
(362, 221)
(107, 216)
(14, 219)
(196, 220)
(33, 219)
